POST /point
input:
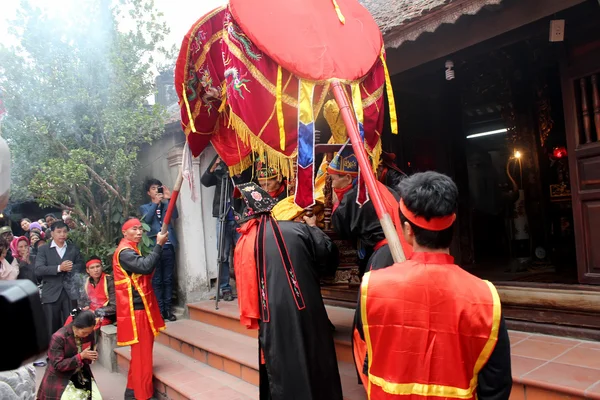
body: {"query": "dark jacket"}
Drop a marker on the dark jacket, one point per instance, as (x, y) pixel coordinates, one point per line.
(27, 270)
(149, 216)
(63, 362)
(210, 179)
(133, 263)
(53, 282)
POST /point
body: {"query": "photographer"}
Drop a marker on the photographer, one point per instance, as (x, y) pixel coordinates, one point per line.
(153, 214)
(214, 175)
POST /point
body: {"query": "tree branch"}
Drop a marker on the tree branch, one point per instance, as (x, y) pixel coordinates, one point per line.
(103, 182)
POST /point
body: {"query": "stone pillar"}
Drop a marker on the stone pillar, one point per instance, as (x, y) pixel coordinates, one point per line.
(195, 227)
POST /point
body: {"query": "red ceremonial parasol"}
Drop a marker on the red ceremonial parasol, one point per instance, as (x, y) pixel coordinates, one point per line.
(253, 76)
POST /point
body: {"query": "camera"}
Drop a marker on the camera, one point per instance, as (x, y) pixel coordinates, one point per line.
(160, 190)
(27, 338)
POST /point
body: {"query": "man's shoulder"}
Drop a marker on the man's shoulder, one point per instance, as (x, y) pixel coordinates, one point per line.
(44, 247)
(146, 206)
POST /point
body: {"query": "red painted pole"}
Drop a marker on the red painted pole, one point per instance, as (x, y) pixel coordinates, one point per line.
(172, 202)
(366, 172)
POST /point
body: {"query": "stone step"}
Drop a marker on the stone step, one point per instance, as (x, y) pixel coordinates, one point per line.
(178, 377)
(223, 369)
(233, 353)
(227, 317)
(222, 349)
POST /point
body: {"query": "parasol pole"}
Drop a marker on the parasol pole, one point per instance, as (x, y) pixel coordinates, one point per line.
(367, 174)
(172, 202)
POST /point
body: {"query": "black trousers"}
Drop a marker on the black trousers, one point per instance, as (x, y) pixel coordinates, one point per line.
(58, 312)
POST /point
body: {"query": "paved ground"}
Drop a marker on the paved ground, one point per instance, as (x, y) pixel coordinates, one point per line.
(112, 386)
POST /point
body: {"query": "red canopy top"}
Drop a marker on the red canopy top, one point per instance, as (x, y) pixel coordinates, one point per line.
(307, 38)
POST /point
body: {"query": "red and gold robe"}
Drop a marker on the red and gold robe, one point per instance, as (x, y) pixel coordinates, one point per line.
(124, 285)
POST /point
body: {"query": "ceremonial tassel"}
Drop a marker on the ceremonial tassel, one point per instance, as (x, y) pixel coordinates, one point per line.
(279, 105)
(390, 94)
(339, 12)
(187, 106)
(363, 195)
(305, 181)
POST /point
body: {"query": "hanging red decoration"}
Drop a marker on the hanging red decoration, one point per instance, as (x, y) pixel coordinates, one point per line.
(559, 152)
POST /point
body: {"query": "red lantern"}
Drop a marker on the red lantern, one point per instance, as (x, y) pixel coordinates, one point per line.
(559, 152)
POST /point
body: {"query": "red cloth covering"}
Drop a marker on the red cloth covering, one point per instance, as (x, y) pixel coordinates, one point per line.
(244, 262)
(443, 320)
(307, 37)
(248, 120)
(340, 193)
(139, 377)
(200, 69)
(251, 96)
(124, 285)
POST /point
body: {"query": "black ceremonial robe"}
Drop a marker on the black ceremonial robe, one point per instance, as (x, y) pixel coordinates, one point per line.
(352, 222)
(294, 332)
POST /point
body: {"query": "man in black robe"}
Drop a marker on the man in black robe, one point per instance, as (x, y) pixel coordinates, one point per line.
(278, 266)
(388, 172)
(360, 223)
(271, 181)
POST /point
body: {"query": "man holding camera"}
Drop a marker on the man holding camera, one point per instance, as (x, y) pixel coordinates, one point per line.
(215, 175)
(153, 214)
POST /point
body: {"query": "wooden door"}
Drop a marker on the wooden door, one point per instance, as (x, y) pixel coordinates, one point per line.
(581, 96)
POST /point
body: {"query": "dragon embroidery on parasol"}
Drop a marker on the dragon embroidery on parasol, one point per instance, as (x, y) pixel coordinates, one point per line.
(234, 32)
(211, 93)
(199, 39)
(237, 82)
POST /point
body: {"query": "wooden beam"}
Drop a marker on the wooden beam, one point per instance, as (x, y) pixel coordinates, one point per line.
(573, 300)
(470, 30)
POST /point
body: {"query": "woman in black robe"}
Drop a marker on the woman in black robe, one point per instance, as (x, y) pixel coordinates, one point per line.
(278, 266)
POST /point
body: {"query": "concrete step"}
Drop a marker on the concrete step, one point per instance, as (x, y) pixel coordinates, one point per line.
(193, 360)
(227, 317)
(178, 377)
(222, 349)
(234, 353)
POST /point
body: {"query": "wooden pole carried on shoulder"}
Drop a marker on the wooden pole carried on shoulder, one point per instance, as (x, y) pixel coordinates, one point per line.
(367, 173)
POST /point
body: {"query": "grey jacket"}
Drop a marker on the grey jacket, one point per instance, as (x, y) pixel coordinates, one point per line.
(53, 282)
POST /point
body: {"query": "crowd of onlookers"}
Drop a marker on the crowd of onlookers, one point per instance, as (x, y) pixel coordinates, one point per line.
(27, 257)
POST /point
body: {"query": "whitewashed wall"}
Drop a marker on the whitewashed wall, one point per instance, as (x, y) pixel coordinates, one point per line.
(195, 227)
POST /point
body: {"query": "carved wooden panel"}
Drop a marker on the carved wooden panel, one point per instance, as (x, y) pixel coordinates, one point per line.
(589, 173)
(588, 112)
(581, 100)
(347, 273)
(596, 97)
(591, 219)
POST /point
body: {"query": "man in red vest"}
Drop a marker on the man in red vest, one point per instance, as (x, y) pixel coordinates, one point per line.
(427, 329)
(99, 293)
(138, 316)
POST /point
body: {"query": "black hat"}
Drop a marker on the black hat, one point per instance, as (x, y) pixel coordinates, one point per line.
(257, 201)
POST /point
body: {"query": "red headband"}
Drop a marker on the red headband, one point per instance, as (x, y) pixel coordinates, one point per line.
(131, 223)
(92, 262)
(434, 224)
